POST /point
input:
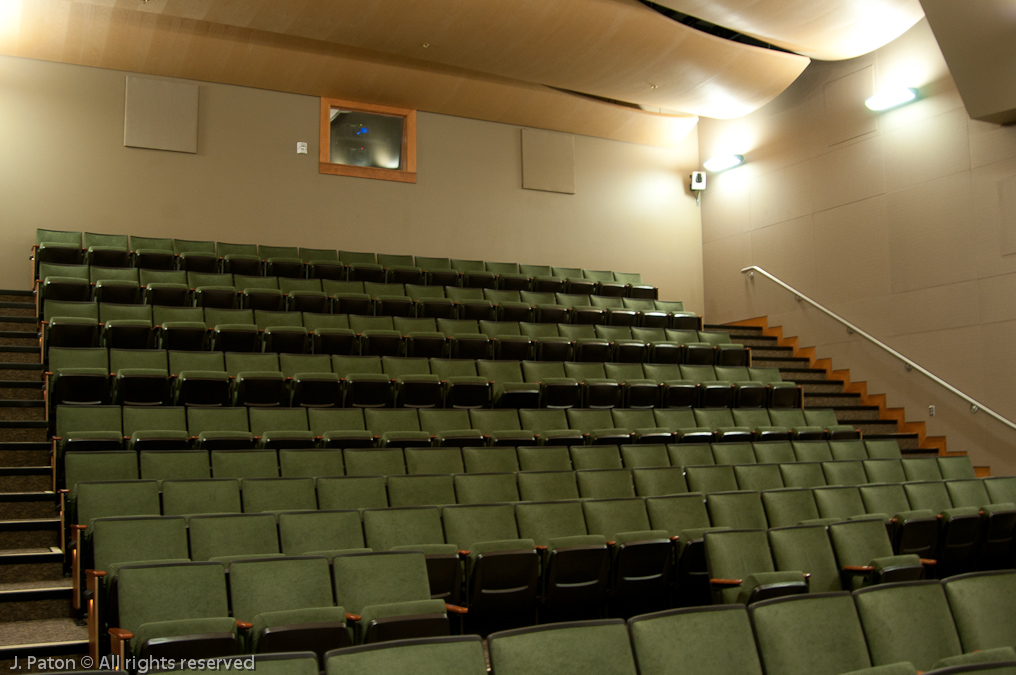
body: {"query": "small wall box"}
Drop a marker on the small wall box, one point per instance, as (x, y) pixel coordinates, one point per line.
(698, 180)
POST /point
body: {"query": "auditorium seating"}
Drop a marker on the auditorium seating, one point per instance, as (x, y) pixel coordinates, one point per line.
(337, 447)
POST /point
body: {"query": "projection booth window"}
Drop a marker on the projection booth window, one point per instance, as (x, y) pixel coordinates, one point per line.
(368, 141)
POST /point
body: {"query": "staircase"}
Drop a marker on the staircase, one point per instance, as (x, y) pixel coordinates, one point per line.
(825, 388)
(36, 619)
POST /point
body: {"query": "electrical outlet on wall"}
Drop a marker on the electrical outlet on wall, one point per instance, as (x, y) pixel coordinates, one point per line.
(931, 411)
(301, 148)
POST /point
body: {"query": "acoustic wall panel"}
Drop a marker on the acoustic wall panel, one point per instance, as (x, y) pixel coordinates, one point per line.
(161, 115)
(548, 161)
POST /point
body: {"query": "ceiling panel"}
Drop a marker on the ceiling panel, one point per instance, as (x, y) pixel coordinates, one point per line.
(114, 36)
(617, 49)
(827, 29)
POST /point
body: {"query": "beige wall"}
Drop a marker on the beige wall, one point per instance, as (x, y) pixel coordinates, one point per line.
(63, 166)
(892, 220)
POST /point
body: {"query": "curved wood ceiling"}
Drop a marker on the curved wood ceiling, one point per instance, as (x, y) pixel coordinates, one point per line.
(525, 62)
(830, 30)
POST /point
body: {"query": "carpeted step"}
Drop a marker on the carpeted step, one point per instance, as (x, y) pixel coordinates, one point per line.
(849, 414)
(28, 324)
(830, 400)
(755, 342)
(9, 306)
(24, 390)
(19, 338)
(34, 564)
(25, 479)
(748, 331)
(44, 645)
(29, 505)
(874, 427)
(29, 533)
(22, 409)
(772, 352)
(35, 600)
(17, 354)
(21, 371)
(821, 387)
(24, 430)
(783, 362)
(25, 454)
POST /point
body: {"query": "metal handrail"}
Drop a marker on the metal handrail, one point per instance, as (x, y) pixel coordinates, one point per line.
(975, 406)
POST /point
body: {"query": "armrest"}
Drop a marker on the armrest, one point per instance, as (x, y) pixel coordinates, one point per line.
(463, 553)
(861, 569)
(456, 609)
(118, 637)
(725, 582)
(244, 625)
(352, 617)
(675, 538)
(95, 573)
(928, 561)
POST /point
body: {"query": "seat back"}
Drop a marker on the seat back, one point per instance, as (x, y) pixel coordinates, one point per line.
(600, 647)
(170, 591)
(219, 536)
(707, 640)
(309, 531)
(365, 579)
(277, 585)
(807, 634)
(425, 656)
(922, 632)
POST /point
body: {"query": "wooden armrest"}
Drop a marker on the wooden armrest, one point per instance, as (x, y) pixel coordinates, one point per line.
(121, 634)
(928, 561)
(611, 543)
(352, 617)
(463, 553)
(80, 528)
(858, 568)
(541, 547)
(675, 538)
(725, 582)
(243, 624)
(95, 573)
(456, 609)
(63, 491)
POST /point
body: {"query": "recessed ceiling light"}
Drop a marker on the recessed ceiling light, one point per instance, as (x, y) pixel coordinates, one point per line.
(891, 98)
(722, 162)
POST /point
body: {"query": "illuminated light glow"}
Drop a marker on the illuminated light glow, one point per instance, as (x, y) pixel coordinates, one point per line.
(10, 20)
(723, 162)
(891, 98)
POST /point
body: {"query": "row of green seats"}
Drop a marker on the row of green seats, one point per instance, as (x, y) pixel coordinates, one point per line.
(118, 251)
(156, 377)
(938, 627)
(177, 427)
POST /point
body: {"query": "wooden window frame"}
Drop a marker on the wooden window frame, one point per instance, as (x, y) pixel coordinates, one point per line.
(405, 174)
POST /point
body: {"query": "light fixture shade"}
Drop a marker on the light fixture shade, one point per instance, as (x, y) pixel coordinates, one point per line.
(890, 98)
(723, 162)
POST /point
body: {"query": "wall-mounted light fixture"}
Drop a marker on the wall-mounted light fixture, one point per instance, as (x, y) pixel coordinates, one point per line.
(891, 98)
(723, 162)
